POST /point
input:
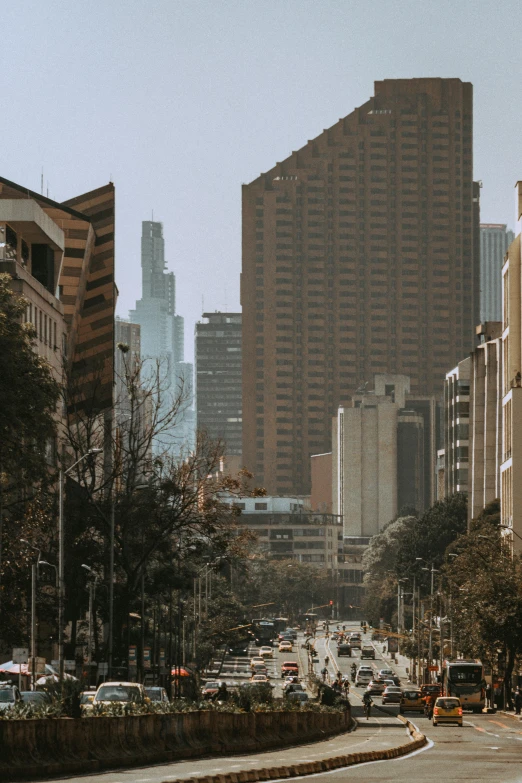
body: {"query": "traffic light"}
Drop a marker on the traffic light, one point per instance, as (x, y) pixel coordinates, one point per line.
(331, 603)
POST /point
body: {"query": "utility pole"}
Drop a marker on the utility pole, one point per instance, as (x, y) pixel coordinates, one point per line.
(61, 575)
(34, 577)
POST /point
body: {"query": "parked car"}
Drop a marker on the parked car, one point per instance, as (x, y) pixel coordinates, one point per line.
(344, 649)
(155, 693)
(9, 696)
(120, 692)
(38, 698)
(86, 700)
(210, 688)
(391, 695)
(447, 709)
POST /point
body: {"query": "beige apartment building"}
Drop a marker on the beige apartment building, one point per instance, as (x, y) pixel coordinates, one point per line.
(511, 466)
(485, 418)
(456, 429)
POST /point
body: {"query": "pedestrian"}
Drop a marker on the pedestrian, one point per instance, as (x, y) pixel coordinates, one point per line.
(518, 701)
(488, 695)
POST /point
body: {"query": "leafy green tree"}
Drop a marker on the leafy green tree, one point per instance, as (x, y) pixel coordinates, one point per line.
(29, 395)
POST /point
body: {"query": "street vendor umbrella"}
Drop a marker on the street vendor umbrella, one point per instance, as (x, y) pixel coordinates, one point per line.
(23, 668)
(179, 671)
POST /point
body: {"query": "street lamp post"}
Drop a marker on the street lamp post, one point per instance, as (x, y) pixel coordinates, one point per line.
(61, 556)
(34, 579)
(433, 571)
(92, 594)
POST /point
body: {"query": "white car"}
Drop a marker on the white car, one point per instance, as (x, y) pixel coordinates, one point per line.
(363, 678)
(385, 673)
(9, 696)
(266, 652)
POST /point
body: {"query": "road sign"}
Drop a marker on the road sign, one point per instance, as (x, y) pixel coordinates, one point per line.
(146, 657)
(21, 655)
(433, 668)
(133, 654)
(103, 669)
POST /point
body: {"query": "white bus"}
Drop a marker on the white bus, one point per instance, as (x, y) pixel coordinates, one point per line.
(465, 679)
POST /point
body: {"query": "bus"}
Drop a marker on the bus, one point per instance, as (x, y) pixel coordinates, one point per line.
(280, 624)
(264, 632)
(465, 679)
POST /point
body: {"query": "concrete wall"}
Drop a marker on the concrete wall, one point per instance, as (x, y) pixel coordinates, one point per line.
(321, 497)
(45, 748)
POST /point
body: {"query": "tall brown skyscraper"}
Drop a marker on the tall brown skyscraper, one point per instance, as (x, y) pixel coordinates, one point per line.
(359, 257)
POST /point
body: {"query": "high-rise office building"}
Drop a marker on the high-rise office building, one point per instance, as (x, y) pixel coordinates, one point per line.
(162, 334)
(360, 256)
(218, 379)
(495, 238)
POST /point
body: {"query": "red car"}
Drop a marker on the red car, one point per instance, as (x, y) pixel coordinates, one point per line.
(289, 668)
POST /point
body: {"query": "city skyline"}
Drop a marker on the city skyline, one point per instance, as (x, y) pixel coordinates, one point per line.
(192, 96)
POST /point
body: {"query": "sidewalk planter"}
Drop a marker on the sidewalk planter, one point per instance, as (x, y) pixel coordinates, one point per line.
(43, 748)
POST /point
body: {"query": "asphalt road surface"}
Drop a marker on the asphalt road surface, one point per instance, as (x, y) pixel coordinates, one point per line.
(486, 748)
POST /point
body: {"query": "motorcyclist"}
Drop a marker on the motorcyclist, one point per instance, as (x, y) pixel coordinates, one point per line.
(326, 661)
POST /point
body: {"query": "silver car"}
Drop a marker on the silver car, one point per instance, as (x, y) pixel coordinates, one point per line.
(9, 696)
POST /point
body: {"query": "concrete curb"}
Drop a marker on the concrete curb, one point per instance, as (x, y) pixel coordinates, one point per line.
(313, 767)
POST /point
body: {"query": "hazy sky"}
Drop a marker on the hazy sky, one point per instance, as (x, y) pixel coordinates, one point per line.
(180, 102)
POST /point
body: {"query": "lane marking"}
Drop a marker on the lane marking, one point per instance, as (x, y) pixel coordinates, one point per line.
(498, 723)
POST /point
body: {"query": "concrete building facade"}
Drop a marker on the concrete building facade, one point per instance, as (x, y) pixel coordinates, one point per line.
(485, 418)
(360, 256)
(380, 447)
(456, 428)
(511, 466)
(218, 379)
(495, 238)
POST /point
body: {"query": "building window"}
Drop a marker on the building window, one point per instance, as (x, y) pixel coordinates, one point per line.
(261, 506)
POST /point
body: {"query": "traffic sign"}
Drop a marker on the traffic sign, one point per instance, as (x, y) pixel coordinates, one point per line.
(433, 668)
(103, 669)
(20, 655)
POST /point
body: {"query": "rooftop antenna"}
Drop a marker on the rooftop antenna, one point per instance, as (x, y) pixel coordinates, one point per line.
(47, 188)
(153, 216)
(202, 304)
(41, 183)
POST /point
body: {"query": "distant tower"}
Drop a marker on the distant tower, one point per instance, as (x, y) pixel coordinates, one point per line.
(495, 238)
(218, 379)
(162, 331)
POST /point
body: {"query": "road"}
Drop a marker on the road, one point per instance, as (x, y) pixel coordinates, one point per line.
(486, 748)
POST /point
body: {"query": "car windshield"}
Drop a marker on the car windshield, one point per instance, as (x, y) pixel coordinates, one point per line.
(85, 698)
(154, 694)
(411, 695)
(447, 704)
(212, 685)
(118, 693)
(33, 696)
(6, 695)
(389, 689)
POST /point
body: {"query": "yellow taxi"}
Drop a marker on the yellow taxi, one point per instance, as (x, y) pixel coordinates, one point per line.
(447, 709)
(285, 646)
(411, 701)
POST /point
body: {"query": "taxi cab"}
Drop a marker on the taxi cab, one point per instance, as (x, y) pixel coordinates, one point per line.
(447, 709)
(411, 701)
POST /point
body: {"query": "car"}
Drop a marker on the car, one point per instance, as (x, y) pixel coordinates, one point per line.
(344, 649)
(257, 659)
(292, 633)
(392, 695)
(266, 652)
(367, 651)
(355, 640)
(239, 649)
(447, 709)
(155, 693)
(299, 696)
(376, 687)
(284, 636)
(210, 688)
(38, 698)
(363, 679)
(293, 687)
(431, 688)
(289, 668)
(260, 668)
(120, 692)
(385, 673)
(285, 646)
(86, 700)
(411, 701)
(9, 696)
(259, 678)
